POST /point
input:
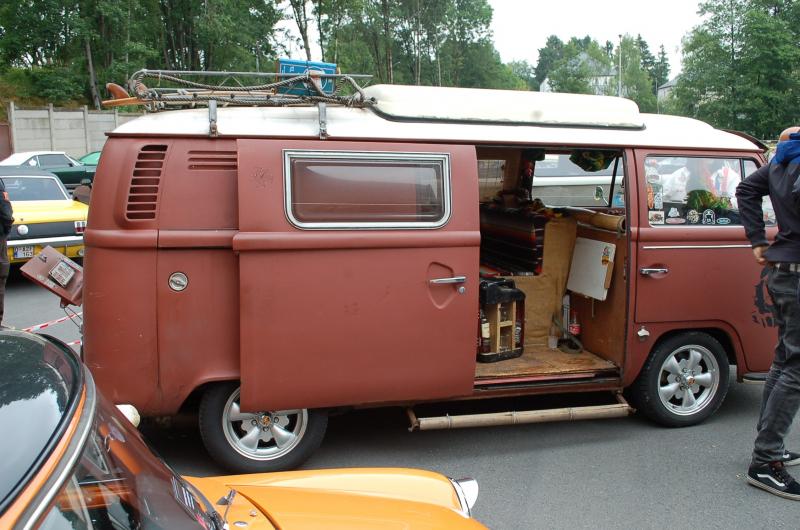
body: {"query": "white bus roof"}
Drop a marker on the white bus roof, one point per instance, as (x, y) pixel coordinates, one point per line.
(470, 105)
(435, 114)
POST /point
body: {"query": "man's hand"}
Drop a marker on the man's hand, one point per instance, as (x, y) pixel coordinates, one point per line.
(758, 252)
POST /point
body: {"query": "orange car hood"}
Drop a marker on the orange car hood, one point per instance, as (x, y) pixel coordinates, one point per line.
(350, 499)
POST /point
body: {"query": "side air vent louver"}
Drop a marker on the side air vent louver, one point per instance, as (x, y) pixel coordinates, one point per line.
(213, 160)
(145, 183)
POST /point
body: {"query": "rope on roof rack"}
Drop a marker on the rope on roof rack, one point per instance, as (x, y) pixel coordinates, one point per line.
(286, 90)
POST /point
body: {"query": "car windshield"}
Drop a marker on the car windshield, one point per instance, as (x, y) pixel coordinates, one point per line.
(34, 189)
(119, 483)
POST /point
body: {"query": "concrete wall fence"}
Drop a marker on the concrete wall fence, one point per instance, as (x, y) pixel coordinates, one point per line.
(74, 131)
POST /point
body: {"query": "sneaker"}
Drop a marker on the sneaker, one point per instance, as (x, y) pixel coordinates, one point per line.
(790, 459)
(774, 479)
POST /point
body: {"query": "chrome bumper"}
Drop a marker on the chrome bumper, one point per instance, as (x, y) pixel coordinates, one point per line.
(63, 241)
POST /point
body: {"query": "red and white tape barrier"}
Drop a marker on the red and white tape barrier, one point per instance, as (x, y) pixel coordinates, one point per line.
(52, 322)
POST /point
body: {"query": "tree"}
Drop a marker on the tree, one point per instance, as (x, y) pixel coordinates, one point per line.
(647, 60)
(549, 56)
(526, 72)
(584, 68)
(636, 82)
(35, 32)
(741, 66)
(661, 69)
(300, 17)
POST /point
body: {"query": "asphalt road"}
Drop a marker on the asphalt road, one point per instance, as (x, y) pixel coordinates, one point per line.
(623, 473)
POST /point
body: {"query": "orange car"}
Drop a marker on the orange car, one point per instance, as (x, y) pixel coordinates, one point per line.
(72, 460)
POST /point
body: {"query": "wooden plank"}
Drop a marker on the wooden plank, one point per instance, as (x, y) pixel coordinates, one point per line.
(540, 360)
(603, 323)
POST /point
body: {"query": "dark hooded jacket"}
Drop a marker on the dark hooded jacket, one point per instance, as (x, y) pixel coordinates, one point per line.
(780, 180)
(6, 213)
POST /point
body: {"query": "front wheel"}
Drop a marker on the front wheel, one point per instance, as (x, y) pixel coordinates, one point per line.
(683, 381)
(247, 442)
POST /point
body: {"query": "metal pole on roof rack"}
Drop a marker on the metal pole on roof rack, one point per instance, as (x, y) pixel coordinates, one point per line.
(212, 118)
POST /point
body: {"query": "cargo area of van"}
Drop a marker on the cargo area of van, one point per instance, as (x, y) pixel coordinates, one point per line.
(553, 280)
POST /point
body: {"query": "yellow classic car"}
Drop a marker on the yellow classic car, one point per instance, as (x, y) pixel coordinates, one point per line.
(44, 214)
(73, 460)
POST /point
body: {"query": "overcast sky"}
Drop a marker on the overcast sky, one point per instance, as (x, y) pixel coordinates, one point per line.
(521, 27)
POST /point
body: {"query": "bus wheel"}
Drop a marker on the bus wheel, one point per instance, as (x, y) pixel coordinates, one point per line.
(683, 381)
(246, 442)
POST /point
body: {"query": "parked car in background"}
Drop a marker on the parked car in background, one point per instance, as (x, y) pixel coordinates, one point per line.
(72, 460)
(90, 159)
(44, 214)
(71, 172)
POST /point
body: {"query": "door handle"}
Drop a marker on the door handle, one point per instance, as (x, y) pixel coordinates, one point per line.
(443, 281)
(644, 271)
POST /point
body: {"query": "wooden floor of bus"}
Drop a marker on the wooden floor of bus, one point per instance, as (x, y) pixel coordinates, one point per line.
(540, 360)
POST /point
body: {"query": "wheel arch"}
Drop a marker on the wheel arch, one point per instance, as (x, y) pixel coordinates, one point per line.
(191, 403)
(721, 336)
(721, 331)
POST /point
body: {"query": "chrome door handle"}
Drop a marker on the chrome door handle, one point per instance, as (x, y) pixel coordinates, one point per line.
(454, 279)
(648, 271)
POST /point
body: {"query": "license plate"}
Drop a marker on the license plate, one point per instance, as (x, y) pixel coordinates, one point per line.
(24, 251)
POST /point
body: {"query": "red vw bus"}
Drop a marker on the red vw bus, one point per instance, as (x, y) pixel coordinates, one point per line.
(278, 263)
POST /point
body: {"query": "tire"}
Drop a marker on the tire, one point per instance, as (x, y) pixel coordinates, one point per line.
(261, 442)
(692, 358)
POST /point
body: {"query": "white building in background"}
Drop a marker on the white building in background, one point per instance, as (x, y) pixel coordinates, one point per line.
(667, 88)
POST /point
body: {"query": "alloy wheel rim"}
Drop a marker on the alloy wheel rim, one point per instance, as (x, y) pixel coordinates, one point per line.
(688, 380)
(264, 435)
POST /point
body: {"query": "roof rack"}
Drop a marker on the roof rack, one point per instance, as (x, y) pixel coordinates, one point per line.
(191, 88)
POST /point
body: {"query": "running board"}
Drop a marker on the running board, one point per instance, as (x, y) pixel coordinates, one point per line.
(594, 412)
(754, 378)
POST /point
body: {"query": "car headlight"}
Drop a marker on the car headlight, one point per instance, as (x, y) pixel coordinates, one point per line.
(467, 492)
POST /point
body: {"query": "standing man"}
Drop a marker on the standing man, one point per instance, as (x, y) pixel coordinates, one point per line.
(781, 397)
(6, 220)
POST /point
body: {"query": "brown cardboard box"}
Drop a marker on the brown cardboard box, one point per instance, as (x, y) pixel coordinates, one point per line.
(50, 268)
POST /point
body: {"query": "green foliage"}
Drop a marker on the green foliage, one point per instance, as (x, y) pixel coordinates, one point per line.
(584, 68)
(42, 84)
(526, 72)
(660, 71)
(549, 56)
(636, 81)
(741, 67)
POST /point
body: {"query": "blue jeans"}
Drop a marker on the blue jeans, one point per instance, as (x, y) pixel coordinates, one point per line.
(781, 397)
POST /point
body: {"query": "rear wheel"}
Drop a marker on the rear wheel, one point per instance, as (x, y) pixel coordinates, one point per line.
(684, 381)
(247, 442)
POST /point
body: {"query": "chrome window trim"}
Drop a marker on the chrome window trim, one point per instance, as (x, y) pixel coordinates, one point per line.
(683, 247)
(444, 158)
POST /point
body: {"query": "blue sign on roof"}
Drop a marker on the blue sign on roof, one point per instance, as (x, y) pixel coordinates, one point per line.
(297, 67)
